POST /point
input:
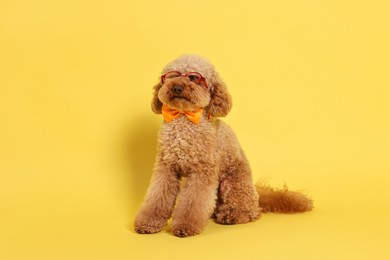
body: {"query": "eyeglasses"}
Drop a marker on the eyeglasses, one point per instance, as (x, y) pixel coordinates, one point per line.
(195, 77)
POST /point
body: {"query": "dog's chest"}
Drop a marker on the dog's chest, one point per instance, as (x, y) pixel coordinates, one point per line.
(183, 143)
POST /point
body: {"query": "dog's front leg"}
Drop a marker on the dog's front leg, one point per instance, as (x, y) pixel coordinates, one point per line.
(196, 203)
(159, 201)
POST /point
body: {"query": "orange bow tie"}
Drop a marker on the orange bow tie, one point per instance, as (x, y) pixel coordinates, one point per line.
(169, 114)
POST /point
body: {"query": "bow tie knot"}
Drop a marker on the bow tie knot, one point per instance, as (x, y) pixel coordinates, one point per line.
(170, 113)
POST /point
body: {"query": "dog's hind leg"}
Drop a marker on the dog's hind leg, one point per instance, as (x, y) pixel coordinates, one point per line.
(238, 200)
(159, 201)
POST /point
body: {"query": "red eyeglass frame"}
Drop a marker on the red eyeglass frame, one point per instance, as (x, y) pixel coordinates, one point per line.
(201, 78)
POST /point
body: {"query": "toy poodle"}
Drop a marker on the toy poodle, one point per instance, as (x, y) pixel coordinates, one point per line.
(200, 169)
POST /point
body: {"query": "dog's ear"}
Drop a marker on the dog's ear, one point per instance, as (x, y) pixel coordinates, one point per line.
(156, 103)
(221, 101)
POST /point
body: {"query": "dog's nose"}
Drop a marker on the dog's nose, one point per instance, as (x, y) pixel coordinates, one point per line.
(178, 89)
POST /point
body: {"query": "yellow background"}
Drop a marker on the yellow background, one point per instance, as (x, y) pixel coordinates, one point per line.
(310, 83)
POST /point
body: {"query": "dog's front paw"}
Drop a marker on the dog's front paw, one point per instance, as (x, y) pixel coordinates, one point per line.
(146, 229)
(184, 230)
(149, 226)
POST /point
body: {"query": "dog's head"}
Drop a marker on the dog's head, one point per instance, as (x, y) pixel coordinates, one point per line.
(191, 82)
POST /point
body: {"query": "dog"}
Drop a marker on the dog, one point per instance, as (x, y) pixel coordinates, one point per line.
(200, 169)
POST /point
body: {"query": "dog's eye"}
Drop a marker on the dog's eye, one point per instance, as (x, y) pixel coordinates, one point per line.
(172, 74)
(194, 78)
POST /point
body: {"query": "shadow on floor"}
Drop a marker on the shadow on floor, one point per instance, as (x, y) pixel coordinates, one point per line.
(138, 146)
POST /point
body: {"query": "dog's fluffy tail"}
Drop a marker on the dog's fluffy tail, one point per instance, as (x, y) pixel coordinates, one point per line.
(282, 200)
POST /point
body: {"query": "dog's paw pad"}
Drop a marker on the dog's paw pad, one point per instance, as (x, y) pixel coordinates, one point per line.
(231, 217)
(226, 219)
(149, 228)
(184, 232)
(146, 230)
